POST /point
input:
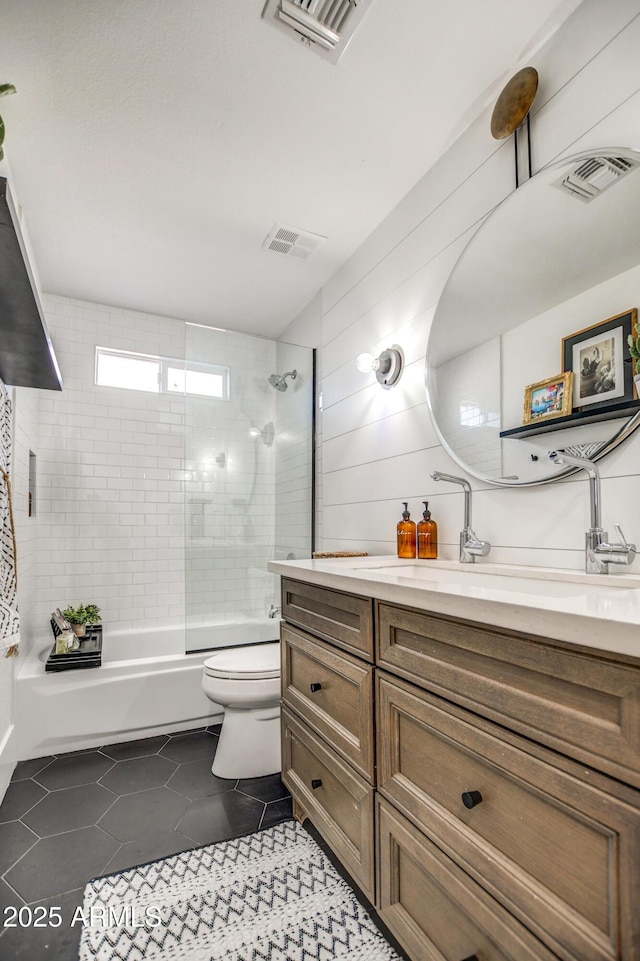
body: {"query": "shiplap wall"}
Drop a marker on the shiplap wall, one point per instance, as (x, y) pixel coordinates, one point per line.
(377, 447)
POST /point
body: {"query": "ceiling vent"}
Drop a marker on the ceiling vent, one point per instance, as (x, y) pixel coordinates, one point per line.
(299, 244)
(595, 175)
(326, 26)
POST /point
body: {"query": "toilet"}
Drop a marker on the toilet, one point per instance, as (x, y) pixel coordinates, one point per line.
(245, 681)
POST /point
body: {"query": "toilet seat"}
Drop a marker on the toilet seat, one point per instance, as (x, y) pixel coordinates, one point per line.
(258, 662)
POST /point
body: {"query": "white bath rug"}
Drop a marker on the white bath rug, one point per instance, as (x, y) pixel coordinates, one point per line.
(269, 896)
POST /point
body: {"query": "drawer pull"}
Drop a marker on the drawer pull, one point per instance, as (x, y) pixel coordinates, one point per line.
(470, 799)
(316, 783)
(472, 957)
(315, 687)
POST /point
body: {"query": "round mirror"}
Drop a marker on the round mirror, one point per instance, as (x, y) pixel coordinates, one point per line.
(549, 284)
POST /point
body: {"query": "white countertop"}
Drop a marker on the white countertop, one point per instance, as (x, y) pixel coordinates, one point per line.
(599, 611)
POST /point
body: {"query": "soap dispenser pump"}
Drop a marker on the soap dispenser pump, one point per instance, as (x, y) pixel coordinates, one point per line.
(406, 534)
(427, 535)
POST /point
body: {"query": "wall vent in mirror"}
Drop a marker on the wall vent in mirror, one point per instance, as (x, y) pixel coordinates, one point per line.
(595, 175)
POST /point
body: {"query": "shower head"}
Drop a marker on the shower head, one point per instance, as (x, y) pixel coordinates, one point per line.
(279, 380)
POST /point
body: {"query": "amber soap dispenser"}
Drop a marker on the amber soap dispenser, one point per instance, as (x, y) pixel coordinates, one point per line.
(406, 533)
(427, 535)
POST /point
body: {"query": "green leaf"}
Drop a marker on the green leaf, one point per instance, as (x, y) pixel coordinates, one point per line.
(6, 89)
(82, 614)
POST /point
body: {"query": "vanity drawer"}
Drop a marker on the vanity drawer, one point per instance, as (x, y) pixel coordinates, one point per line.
(340, 804)
(584, 704)
(333, 693)
(342, 619)
(559, 852)
(435, 910)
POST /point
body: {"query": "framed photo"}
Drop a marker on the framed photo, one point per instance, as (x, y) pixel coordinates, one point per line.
(600, 360)
(548, 398)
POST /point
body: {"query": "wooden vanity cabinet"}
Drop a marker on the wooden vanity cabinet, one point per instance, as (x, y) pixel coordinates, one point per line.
(557, 849)
(328, 756)
(505, 791)
(344, 620)
(338, 801)
(435, 910)
(578, 701)
(333, 693)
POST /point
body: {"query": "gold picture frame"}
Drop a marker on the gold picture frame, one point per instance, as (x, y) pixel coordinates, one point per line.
(548, 398)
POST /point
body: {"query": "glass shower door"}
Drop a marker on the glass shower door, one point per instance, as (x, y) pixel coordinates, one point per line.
(247, 484)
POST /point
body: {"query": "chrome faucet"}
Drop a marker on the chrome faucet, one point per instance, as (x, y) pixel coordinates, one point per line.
(470, 544)
(599, 553)
(273, 611)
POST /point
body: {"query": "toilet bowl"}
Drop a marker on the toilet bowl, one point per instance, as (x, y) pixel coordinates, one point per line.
(245, 681)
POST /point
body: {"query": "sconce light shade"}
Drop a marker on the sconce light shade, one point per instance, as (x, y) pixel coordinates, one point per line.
(388, 366)
(364, 363)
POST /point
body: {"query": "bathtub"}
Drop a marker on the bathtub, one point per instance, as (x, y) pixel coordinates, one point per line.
(156, 692)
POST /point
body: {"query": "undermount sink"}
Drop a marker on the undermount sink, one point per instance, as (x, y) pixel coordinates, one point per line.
(530, 581)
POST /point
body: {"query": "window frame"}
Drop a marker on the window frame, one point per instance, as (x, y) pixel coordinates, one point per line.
(164, 365)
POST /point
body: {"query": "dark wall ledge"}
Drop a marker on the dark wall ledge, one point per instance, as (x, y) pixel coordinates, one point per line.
(27, 358)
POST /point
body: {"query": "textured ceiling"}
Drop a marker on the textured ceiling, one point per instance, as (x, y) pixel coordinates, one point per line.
(153, 145)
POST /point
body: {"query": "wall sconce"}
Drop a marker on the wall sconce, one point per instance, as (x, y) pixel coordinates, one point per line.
(388, 366)
(267, 434)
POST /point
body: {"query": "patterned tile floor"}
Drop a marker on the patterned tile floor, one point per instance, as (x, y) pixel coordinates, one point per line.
(68, 818)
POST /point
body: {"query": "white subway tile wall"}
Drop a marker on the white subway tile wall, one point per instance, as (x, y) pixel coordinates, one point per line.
(305, 331)
(157, 507)
(111, 474)
(293, 453)
(230, 482)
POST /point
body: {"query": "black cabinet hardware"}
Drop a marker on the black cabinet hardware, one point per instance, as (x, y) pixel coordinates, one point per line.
(470, 799)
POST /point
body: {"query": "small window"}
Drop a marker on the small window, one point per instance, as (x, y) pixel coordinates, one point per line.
(208, 383)
(117, 368)
(131, 371)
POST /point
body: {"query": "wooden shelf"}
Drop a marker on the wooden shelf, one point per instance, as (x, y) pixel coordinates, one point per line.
(577, 419)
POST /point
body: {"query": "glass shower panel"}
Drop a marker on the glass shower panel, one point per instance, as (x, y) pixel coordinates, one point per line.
(294, 454)
(233, 458)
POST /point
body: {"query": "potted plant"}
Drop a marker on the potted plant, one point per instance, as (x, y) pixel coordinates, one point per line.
(80, 616)
(633, 340)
